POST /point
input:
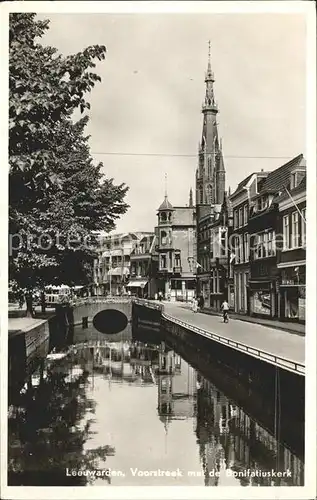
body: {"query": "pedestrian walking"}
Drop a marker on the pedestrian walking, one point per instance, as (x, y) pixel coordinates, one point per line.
(160, 296)
(225, 309)
(194, 305)
(201, 302)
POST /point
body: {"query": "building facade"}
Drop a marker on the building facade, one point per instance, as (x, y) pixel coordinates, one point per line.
(291, 257)
(176, 242)
(144, 268)
(112, 266)
(214, 231)
(239, 298)
(265, 238)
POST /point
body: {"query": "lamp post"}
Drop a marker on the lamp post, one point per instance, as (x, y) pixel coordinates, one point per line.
(110, 267)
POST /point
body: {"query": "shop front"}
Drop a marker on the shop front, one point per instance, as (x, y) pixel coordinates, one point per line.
(138, 288)
(292, 293)
(262, 298)
(182, 289)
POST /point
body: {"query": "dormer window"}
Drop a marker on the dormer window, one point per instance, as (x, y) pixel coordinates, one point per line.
(296, 177)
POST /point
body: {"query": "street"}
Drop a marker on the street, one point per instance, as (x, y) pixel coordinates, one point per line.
(273, 341)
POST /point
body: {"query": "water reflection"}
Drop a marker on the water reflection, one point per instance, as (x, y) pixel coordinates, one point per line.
(136, 414)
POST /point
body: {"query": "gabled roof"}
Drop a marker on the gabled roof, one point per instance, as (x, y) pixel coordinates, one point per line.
(280, 177)
(241, 185)
(298, 189)
(166, 205)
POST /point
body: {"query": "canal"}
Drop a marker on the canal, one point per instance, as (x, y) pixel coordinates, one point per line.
(120, 410)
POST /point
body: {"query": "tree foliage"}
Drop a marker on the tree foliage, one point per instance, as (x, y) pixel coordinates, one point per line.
(57, 194)
(48, 432)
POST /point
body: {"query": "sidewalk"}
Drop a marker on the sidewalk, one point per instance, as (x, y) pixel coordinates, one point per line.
(286, 326)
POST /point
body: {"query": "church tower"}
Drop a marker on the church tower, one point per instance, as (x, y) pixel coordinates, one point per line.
(210, 174)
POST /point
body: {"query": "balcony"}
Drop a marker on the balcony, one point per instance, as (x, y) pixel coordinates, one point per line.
(177, 270)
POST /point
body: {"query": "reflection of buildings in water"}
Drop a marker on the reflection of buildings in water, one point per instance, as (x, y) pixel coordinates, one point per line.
(176, 388)
(92, 335)
(226, 431)
(121, 360)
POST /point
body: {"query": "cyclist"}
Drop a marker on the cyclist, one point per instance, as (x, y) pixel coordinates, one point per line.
(225, 309)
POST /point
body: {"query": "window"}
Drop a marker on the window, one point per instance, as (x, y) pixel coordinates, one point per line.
(223, 242)
(293, 180)
(235, 218)
(163, 237)
(295, 230)
(201, 195)
(177, 260)
(240, 217)
(163, 261)
(209, 171)
(261, 203)
(260, 243)
(246, 247)
(286, 239)
(271, 243)
(163, 216)
(245, 214)
(238, 252)
(303, 225)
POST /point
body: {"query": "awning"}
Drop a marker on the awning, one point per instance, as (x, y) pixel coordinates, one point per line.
(294, 263)
(112, 253)
(119, 271)
(260, 285)
(136, 284)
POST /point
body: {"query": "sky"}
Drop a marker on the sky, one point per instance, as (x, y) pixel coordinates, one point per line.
(147, 108)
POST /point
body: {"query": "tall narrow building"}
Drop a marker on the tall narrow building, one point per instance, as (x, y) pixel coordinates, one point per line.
(210, 174)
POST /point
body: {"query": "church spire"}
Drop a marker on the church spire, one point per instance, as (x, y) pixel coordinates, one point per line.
(191, 204)
(209, 102)
(210, 174)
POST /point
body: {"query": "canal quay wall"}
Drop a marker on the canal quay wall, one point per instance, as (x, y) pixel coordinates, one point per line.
(260, 385)
(29, 342)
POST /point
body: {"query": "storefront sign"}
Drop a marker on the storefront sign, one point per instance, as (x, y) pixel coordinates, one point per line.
(261, 302)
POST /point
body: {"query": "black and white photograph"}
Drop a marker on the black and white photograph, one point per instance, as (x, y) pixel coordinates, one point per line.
(158, 282)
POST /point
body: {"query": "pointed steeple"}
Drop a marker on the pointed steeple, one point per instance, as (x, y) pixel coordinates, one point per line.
(166, 205)
(209, 102)
(191, 204)
(210, 173)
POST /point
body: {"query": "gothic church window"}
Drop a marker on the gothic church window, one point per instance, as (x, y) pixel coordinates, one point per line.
(209, 166)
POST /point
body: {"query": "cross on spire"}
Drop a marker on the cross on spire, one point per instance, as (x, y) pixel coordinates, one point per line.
(165, 185)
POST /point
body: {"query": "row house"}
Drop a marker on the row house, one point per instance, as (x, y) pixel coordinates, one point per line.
(144, 268)
(112, 265)
(239, 299)
(213, 230)
(291, 258)
(266, 239)
(176, 242)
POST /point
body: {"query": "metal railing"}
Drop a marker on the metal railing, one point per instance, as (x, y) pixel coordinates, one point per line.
(282, 362)
(148, 303)
(100, 300)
